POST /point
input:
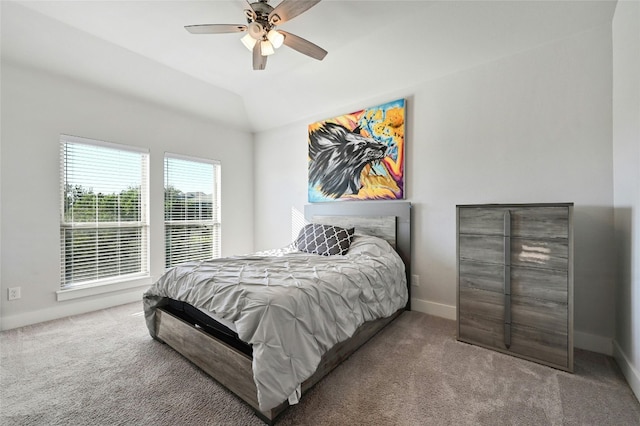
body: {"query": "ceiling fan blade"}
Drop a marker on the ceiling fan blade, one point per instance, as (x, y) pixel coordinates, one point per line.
(259, 61)
(289, 9)
(215, 28)
(303, 46)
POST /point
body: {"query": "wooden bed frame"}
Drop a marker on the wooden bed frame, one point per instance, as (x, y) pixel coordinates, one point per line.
(232, 368)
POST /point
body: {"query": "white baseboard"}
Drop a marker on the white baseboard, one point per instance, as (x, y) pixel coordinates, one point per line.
(628, 370)
(593, 343)
(66, 309)
(434, 308)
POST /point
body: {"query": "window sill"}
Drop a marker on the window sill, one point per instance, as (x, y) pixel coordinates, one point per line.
(96, 289)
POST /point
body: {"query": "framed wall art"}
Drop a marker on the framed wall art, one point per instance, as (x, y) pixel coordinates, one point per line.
(358, 156)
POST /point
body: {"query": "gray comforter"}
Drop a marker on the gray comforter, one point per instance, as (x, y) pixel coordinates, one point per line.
(291, 306)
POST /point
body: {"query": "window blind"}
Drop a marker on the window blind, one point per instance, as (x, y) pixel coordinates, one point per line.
(104, 212)
(191, 209)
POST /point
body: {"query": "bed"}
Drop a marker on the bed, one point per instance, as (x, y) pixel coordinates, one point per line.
(270, 325)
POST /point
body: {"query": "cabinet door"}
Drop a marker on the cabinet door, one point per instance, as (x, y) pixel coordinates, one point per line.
(549, 254)
(481, 303)
(526, 221)
(481, 220)
(537, 344)
(540, 222)
(481, 276)
(480, 330)
(488, 304)
(539, 314)
(536, 283)
(481, 248)
(537, 253)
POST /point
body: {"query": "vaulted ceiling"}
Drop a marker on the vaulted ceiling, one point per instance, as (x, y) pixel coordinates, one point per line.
(375, 48)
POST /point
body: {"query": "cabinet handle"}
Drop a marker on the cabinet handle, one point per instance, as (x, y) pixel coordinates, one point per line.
(507, 278)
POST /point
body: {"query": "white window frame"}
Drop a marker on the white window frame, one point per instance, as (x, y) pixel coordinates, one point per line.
(215, 222)
(115, 282)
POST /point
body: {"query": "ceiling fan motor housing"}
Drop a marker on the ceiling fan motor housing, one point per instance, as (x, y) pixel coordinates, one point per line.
(260, 13)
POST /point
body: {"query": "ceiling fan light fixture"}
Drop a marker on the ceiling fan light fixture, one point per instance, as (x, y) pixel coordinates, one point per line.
(266, 48)
(248, 41)
(275, 38)
(256, 30)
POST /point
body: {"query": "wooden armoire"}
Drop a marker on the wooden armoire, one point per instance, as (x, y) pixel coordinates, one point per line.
(515, 280)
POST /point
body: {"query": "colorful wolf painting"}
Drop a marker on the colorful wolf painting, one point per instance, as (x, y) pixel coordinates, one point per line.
(358, 156)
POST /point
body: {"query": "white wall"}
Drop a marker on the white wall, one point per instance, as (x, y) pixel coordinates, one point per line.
(36, 108)
(532, 127)
(626, 158)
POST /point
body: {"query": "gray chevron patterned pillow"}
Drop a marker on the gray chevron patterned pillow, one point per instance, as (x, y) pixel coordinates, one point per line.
(324, 239)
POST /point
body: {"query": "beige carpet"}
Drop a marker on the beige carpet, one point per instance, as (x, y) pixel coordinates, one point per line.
(104, 369)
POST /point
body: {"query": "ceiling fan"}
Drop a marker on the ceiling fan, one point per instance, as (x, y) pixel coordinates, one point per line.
(262, 37)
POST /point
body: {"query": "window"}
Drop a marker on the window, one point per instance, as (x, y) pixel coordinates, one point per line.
(191, 209)
(104, 213)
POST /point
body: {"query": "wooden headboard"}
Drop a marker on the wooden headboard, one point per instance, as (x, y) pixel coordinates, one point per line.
(390, 220)
(379, 226)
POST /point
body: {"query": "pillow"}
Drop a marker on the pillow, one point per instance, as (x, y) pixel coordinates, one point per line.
(324, 239)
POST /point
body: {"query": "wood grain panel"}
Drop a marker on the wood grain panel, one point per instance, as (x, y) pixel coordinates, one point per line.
(546, 284)
(480, 330)
(480, 275)
(526, 221)
(540, 314)
(488, 304)
(532, 344)
(379, 226)
(540, 253)
(540, 222)
(541, 345)
(227, 365)
(481, 248)
(481, 221)
(524, 252)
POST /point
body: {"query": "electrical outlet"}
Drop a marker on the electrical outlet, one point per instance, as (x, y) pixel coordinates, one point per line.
(13, 293)
(415, 280)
